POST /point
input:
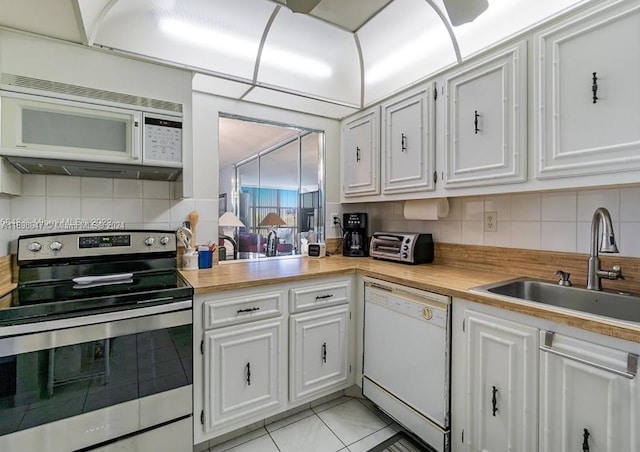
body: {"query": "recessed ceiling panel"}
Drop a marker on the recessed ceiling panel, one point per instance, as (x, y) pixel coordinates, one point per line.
(503, 19)
(298, 103)
(349, 14)
(405, 42)
(216, 35)
(54, 18)
(306, 55)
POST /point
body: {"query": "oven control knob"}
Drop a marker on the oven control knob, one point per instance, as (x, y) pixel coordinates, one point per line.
(55, 246)
(164, 240)
(34, 247)
(405, 255)
(149, 241)
(405, 247)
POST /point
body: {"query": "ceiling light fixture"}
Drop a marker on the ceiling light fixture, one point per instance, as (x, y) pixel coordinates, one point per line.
(244, 48)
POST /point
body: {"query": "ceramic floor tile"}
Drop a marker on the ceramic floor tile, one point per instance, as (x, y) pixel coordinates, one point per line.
(261, 444)
(248, 437)
(330, 404)
(308, 435)
(289, 420)
(351, 421)
(369, 404)
(372, 440)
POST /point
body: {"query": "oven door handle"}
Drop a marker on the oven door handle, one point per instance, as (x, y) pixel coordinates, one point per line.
(85, 320)
(102, 279)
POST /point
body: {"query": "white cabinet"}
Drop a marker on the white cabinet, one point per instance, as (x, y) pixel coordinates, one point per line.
(318, 359)
(486, 121)
(361, 154)
(409, 143)
(10, 179)
(494, 394)
(319, 339)
(588, 396)
(242, 373)
(263, 350)
(587, 94)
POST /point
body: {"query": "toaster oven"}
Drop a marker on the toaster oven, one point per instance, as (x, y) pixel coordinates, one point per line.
(406, 247)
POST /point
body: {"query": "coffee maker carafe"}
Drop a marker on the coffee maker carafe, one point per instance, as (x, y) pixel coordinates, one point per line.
(355, 242)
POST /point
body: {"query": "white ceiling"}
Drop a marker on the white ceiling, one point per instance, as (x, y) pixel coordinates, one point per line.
(348, 14)
(239, 140)
(345, 55)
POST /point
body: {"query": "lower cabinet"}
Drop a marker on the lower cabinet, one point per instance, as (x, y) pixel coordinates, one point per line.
(242, 372)
(318, 358)
(517, 386)
(495, 398)
(261, 351)
(588, 397)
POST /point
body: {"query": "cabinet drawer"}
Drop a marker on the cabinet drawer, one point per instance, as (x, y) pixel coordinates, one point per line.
(311, 297)
(242, 309)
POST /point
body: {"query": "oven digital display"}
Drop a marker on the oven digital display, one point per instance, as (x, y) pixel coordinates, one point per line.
(103, 241)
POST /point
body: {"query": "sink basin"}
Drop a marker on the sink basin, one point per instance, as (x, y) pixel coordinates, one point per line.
(615, 305)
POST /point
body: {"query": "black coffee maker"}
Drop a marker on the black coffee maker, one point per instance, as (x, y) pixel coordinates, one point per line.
(355, 242)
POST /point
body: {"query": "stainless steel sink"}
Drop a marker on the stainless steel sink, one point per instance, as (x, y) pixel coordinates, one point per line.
(616, 305)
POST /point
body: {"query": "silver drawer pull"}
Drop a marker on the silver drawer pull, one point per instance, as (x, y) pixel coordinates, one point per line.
(241, 311)
(629, 375)
(632, 360)
(323, 297)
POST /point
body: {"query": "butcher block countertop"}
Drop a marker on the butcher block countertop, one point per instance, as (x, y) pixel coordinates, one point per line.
(441, 278)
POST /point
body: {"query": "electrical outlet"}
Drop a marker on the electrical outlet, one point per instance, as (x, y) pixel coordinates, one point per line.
(490, 221)
(335, 219)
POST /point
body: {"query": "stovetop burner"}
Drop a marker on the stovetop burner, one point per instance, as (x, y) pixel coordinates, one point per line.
(46, 287)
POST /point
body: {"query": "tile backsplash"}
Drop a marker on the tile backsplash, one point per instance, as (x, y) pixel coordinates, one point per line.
(554, 221)
(51, 203)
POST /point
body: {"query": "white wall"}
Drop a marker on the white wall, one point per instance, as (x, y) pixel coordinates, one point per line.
(205, 141)
(554, 221)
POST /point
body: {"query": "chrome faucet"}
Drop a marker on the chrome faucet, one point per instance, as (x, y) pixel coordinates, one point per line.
(601, 226)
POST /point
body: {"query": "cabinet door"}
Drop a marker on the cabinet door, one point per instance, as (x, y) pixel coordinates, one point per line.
(588, 95)
(361, 155)
(242, 371)
(408, 138)
(500, 385)
(583, 406)
(318, 341)
(486, 121)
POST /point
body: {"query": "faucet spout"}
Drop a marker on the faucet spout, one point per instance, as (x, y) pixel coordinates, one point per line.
(603, 239)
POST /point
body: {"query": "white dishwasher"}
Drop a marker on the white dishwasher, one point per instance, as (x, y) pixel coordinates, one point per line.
(406, 358)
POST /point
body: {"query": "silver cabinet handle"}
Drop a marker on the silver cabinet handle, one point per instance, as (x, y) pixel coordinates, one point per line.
(632, 360)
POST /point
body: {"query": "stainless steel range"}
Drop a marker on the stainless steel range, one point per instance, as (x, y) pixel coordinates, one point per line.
(96, 345)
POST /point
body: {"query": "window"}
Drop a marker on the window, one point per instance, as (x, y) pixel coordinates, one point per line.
(282, 175)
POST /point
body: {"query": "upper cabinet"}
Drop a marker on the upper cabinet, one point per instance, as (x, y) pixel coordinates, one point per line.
(361, 154)
(408, 140)
(588, 95)
(486, 121)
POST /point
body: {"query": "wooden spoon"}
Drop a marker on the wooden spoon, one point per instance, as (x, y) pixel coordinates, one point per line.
(194, 216)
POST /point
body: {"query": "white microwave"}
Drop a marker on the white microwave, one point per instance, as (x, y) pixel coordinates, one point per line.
(51, 128)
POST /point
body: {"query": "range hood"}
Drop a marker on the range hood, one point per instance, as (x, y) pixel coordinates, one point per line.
(28, 165)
